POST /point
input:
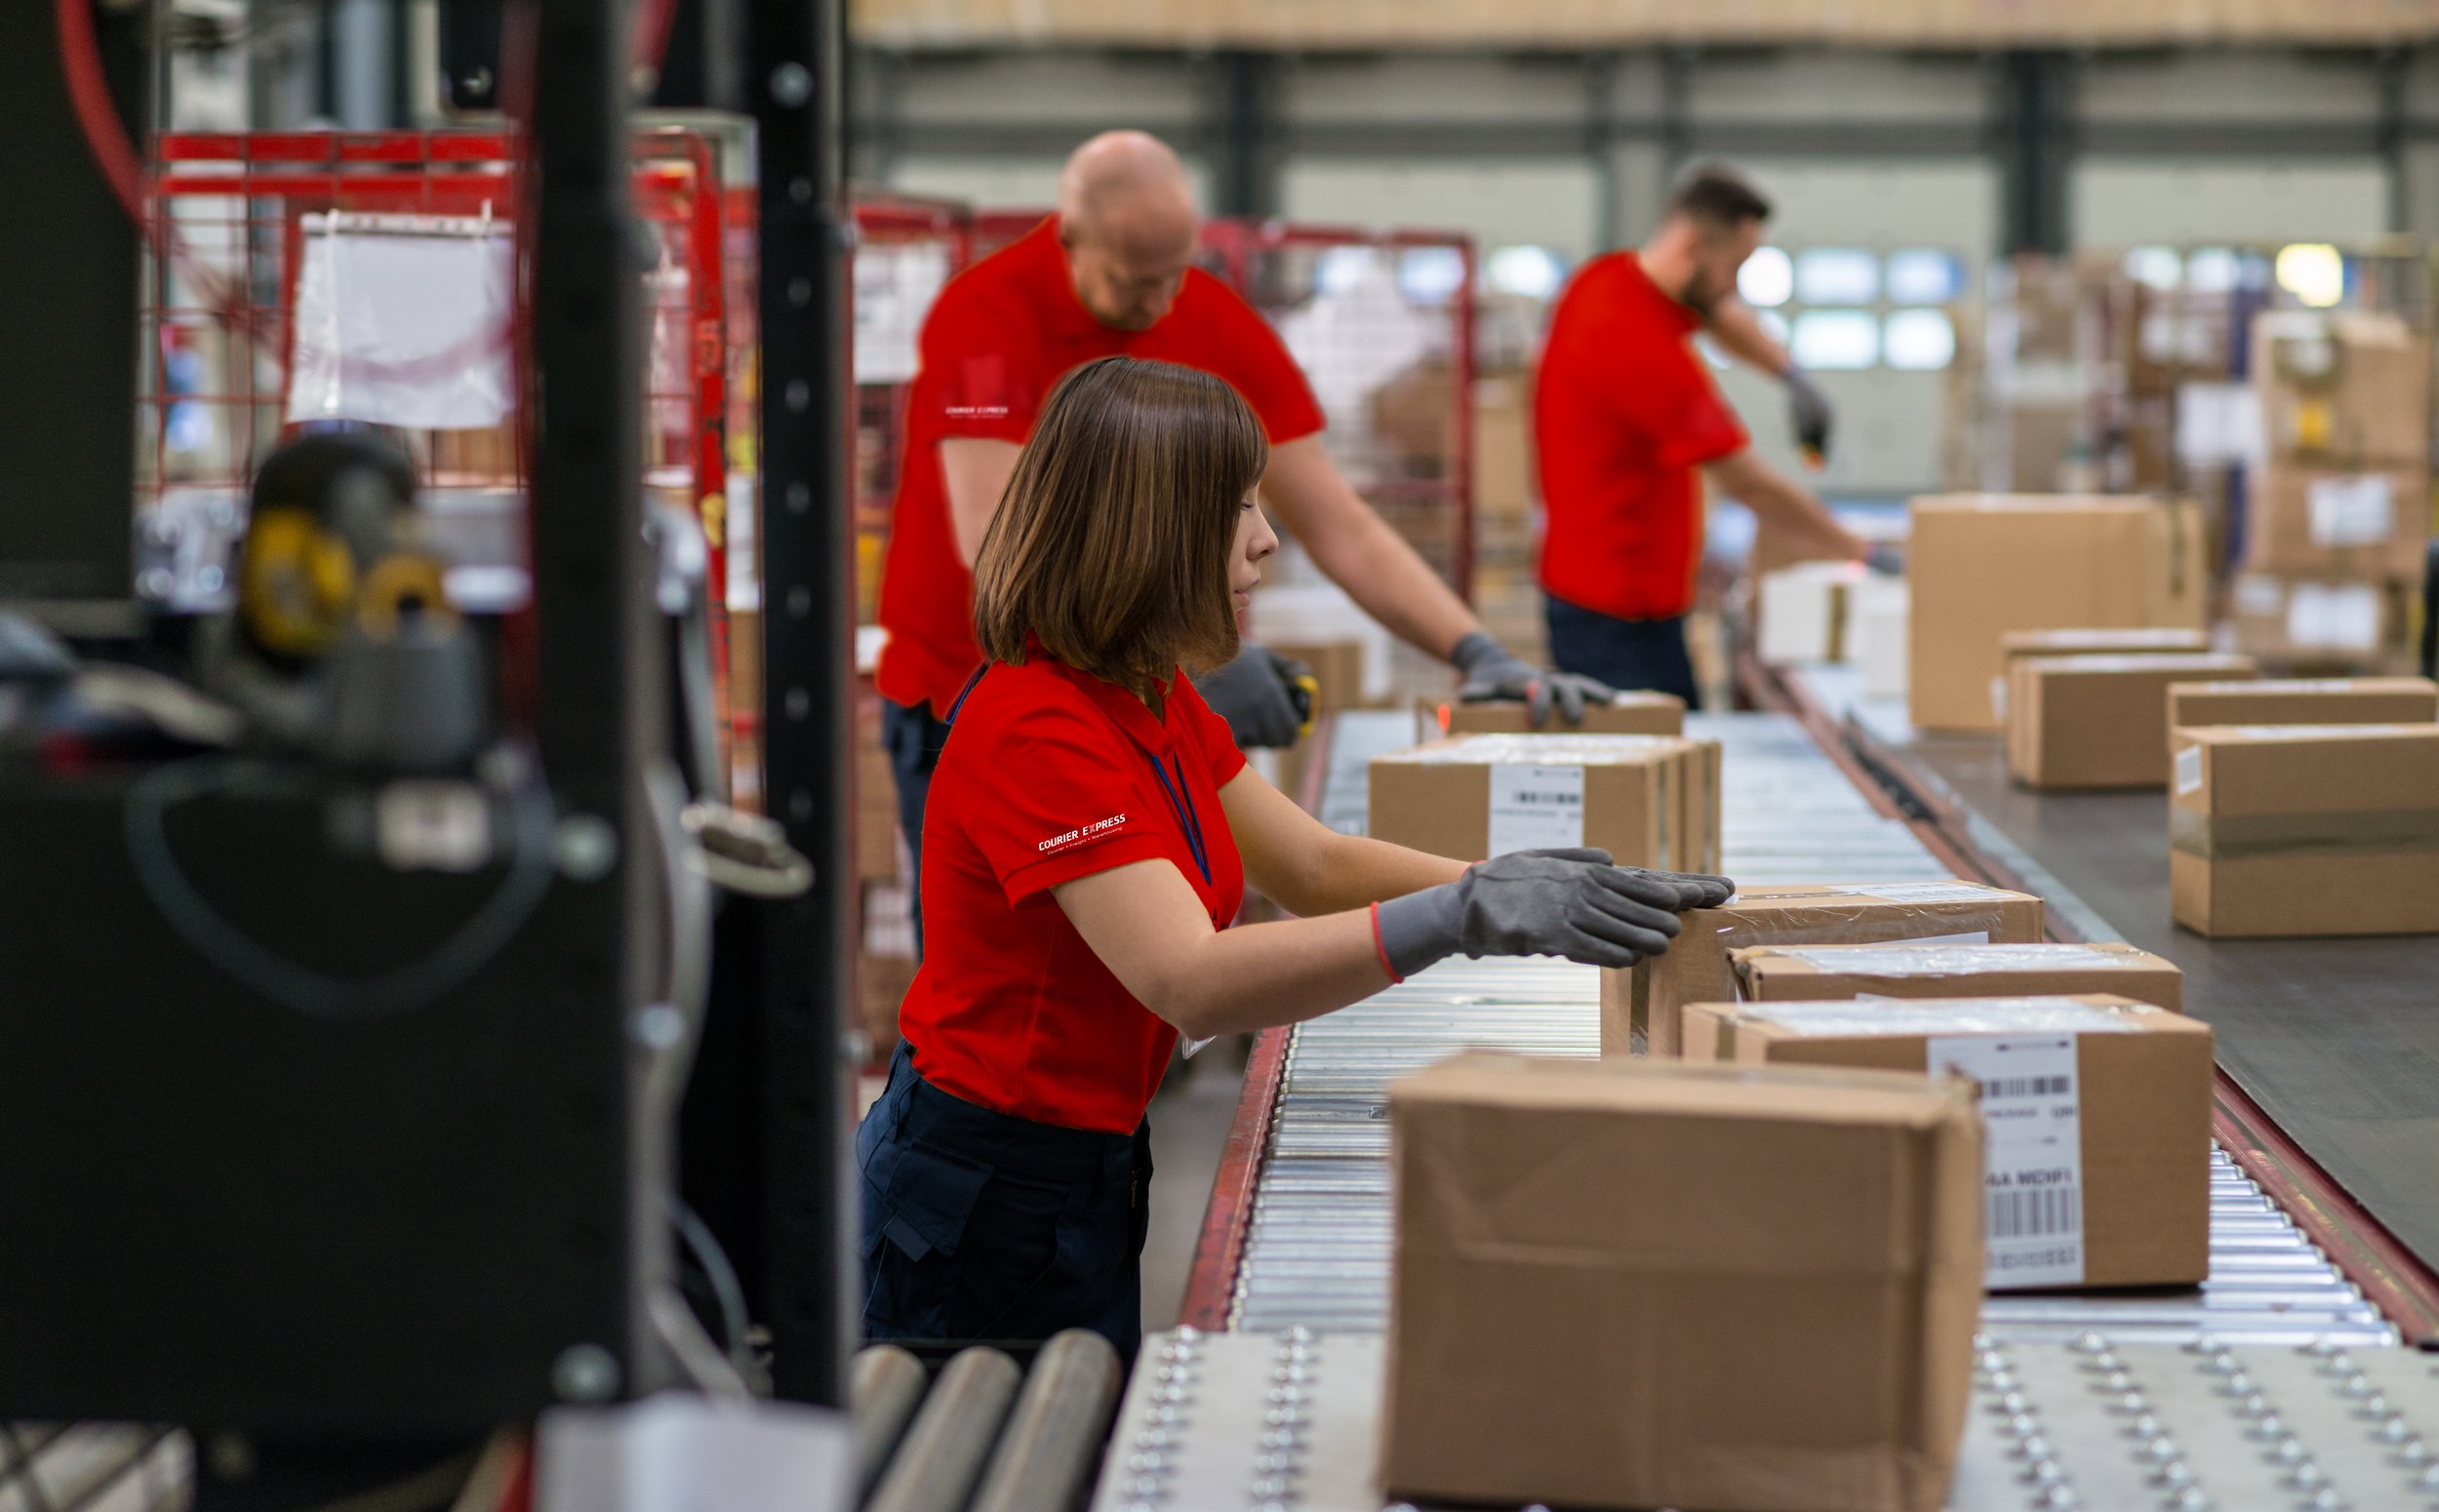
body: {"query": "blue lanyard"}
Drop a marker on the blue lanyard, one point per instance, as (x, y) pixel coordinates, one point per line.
(1182, 805)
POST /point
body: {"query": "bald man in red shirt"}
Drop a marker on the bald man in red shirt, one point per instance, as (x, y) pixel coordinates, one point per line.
(1627, 415)
(1113, 274)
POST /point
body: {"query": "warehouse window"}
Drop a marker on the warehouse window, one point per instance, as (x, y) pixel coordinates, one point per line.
(1767, 279)
(1836, 275)
(2155, 267)
(1925, 275)
(1430, 275)
(1919, 341)
(1527, 272)
(1832, 340)
(2212, 270)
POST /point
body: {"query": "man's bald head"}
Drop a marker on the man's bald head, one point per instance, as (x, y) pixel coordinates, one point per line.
(1126, 216)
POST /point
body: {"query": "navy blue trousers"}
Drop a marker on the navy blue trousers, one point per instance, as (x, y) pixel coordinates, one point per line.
(1624, 654)
(981, 1226)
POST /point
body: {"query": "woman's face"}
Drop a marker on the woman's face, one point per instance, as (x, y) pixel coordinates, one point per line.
(1254, 540)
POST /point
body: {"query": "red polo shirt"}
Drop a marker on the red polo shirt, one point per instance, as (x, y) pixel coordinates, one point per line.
(1051, 774)
(1623, 411)
(996, 340)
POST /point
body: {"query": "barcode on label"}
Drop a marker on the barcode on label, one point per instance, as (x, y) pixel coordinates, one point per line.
(2026, 1215)
(2027, 1087)
(1527, 795)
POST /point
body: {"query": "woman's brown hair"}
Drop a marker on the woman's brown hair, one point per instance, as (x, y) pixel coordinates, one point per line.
(1111, 542)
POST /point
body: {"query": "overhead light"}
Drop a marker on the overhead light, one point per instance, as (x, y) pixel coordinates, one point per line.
(2314, 272)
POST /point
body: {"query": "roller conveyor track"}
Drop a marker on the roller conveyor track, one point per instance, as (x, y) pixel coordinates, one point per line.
(1316, 1231)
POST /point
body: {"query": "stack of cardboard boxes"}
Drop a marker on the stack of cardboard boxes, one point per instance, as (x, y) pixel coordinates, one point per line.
(2338, 512)
(1648, 800)
(1983, 565)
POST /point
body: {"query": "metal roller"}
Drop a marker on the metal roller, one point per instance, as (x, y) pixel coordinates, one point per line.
(886, 1387)
(937, 1465)
(1045, 1460)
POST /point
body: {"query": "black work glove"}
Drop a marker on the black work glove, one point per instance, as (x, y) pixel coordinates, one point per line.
(1255, 693)
(1494, 672)
(1571, 903)
(1808, 411)
(1885, 560)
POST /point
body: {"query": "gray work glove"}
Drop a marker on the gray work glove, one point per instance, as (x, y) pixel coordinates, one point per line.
(1808, 410)
(1571, 903)
(1885, 560)
(1256, 692)
(1492, 672)
(1695, 888)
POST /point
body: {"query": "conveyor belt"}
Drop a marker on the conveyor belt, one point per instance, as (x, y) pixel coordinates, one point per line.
(1315, 1248)
(1226, 1422)
(2336, 1040)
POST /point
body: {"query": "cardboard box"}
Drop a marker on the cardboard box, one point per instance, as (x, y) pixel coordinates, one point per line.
(1634, 1284)
(1642, 712)
(2323, 624)
(2305, 829)
(2321, 700)
(2097, 1117)
(2096, 722)
(1984, 564)
(878, 848)
(1777, 973)
(2085, 641)
(2328, 523)
(2351, 388)
(1696, 967)
(1471, 797)
(1801, 612)
(1338, 668)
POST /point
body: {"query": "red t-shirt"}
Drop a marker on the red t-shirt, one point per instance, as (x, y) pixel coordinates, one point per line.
(1001, 334)
(1051, 774)
(1623, 411)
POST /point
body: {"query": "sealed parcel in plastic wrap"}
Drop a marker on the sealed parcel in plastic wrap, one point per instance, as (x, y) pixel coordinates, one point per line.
(1780, 973)
(1648, 800)
(2096, 1113)
(1645, 999)
(1648, 1284)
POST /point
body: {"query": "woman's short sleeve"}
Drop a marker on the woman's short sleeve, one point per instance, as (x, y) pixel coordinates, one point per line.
(1058, 799)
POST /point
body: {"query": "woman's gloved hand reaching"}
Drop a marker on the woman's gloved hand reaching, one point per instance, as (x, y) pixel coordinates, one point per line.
(1572, 903)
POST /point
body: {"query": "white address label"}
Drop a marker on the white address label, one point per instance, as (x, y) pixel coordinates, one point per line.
(2189, 770)
(1536, 807)
(2033, 1152)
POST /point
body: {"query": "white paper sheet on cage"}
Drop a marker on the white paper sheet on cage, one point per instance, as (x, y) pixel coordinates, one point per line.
(895, 287)
(403, 323)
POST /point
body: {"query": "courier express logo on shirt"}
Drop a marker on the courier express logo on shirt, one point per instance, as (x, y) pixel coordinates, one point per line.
(1074, 836)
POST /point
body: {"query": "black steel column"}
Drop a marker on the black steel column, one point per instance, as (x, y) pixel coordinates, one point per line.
(600, 686)
(2035, 147)
(801, 1001)
(1246, 180)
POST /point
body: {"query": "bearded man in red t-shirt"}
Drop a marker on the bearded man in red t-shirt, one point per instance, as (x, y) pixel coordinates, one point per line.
(1625, 415)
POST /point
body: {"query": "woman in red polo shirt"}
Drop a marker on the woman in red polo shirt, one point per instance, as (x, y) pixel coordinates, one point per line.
(1090, 833)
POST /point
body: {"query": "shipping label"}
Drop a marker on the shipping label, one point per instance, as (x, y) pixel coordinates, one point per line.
(2189, 770)
(2352, 511)
(2033, 1152)
(1534, 807)
(1924, 893)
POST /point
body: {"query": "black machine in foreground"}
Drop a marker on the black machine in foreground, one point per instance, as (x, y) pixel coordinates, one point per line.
(346, 1000)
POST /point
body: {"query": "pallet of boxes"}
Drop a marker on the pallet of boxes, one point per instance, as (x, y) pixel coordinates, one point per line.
(2337, 521)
